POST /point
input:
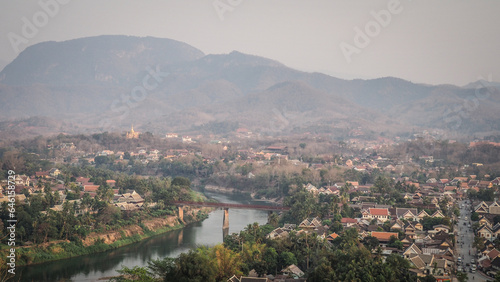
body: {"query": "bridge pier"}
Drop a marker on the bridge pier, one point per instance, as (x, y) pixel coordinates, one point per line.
(225, 219)
(181, 213)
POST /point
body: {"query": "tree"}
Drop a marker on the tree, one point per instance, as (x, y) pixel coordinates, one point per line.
(273, 219)
(371, 242)
(323, 272)
(253, 257)
(160, 268)
(302, 145)
(285, 259)
(400, 267)
(193, 266)
(227, 262)
(135, 273)
(462, 276)
(181, 182)
(497, 277)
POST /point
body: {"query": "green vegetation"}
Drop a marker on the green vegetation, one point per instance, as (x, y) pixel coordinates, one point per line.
(62, 250)
(344, 260)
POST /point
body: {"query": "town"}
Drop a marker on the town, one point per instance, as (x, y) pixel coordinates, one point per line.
(429, 214)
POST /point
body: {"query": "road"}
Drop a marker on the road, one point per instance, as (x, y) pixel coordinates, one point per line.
(465, 237)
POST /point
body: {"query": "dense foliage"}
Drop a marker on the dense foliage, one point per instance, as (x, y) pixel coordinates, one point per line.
(346, 259)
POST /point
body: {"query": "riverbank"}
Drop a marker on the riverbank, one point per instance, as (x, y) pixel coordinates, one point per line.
(101, 242)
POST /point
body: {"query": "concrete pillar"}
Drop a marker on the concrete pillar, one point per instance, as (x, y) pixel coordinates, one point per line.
(225, 219)
(181, 213)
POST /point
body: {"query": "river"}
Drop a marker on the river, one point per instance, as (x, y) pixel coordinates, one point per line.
(171, 244)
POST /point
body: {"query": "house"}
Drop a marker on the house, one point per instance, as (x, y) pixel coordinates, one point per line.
(484, 184)
(293, 271)
(441, 227)
(383, 237)
(310, 224)
(419, 264)
(133, 197)
(407, 241)
(437, 214)
(42, 174)
(493, 254)
(83, 180)
(412, 250)
(397, 225)
(332, 236)
(312, 189)
(111, 183)
(54, 172)
(90, 188)
(410, 230)
(404, 213)
(485, 221)
(482, 208)
(446, 244)
(124, 206)
(430, 264)
(277, 233)
(324, 190)
(381, 214)
(354, 184)
(485, 232)
(22, 180)
(422, 214)
(494, 208)
(348, 222)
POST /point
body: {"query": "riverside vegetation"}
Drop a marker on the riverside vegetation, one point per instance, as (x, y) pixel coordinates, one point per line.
(45, 234)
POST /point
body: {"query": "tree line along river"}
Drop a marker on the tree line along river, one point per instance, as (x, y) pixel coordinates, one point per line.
(95, 266)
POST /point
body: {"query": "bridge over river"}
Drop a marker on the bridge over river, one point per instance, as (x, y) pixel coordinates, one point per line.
(226, 207)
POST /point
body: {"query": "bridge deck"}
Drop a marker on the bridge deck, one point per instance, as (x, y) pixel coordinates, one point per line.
(233, 206)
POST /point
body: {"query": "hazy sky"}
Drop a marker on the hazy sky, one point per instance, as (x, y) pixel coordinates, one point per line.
(431, 42)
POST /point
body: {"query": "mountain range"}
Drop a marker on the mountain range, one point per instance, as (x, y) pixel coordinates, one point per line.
(107, 83)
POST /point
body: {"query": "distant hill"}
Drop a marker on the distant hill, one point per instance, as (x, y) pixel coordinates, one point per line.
(102, 60)
(107, 83)
(3, 64)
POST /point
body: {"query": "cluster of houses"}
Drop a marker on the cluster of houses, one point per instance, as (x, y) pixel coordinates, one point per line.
(487, 212)
(429, 251)
(489, 259)
(33, 185)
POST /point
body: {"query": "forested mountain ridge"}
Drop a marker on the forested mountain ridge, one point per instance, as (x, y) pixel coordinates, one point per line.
(164, 85)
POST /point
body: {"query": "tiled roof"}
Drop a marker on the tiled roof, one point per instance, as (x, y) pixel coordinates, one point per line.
(90, 188)
(418, 262)
(348, 220)
(493, 254)
(384, 236)
(375, 211)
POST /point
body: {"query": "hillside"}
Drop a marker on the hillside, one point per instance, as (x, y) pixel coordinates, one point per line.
(106, 83)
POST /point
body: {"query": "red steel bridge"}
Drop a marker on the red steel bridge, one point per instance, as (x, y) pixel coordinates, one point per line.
(232, 206)
(226, 207)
